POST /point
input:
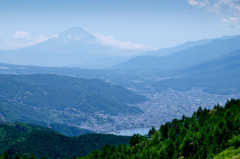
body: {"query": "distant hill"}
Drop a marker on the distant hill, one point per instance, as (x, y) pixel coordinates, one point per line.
(230, 61)
(184, 46)
(184, 58)
(60, 99)
(126, 78)
(34, 140)
(74, 47)
(218, 76)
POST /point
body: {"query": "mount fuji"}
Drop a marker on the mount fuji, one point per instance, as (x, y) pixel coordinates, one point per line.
(74, 48)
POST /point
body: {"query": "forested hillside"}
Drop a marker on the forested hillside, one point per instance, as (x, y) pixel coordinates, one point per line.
(218, 76)
(59, 92)
(45, 98)
(206, 134)
(33, 140)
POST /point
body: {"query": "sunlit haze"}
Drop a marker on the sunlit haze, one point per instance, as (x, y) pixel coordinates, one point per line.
(135, 24)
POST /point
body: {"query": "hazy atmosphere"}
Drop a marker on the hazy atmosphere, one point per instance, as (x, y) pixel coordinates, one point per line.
(114, 79)
(135, 24)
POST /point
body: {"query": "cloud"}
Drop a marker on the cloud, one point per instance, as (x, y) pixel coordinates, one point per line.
(229, 10)
(229, 6)
(21, 35)
(22, 39)
(36, 40)
(232, 22)
(217, 6)
(1, 34)
(110, 41)
(198, 3)
(55, 36)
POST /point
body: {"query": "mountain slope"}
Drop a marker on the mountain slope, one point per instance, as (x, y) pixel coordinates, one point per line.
(31, 139)
(184, 46)
(229, 61)
(74, 47)
(218, 76)
(185, 58)
(69, 130)
(71, 41)
(62, 99)
(77, 40)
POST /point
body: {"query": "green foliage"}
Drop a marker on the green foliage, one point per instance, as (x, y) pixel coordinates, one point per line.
(206, 134)
(12, 133)
(233, 151)
(136, 139)
(151, 132)
(235, 141)
(229, 153)
(33, 141)
(5, 155)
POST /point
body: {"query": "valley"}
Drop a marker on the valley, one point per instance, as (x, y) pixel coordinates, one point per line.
(161, 108)
(169, 94)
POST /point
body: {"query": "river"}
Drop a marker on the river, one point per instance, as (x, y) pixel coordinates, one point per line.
(130, 132)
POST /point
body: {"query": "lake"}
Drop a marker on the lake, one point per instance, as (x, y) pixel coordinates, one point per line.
(130, 132)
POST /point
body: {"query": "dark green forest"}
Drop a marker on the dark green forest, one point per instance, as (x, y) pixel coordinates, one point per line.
(206, 134)
(32, 140)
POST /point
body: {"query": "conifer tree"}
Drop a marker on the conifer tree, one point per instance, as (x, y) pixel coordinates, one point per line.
(17, 156)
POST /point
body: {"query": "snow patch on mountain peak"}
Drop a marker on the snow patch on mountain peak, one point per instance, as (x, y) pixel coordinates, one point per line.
(76, 34)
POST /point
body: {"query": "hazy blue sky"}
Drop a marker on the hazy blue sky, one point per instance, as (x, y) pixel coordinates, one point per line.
(153, 23)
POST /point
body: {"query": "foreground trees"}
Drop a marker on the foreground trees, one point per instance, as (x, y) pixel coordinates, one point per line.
(205, 134)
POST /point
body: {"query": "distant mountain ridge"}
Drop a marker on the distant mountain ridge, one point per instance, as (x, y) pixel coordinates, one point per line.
(218, 76)
(184, 46)
(170, 50)
(228, 61)
(185, 58)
